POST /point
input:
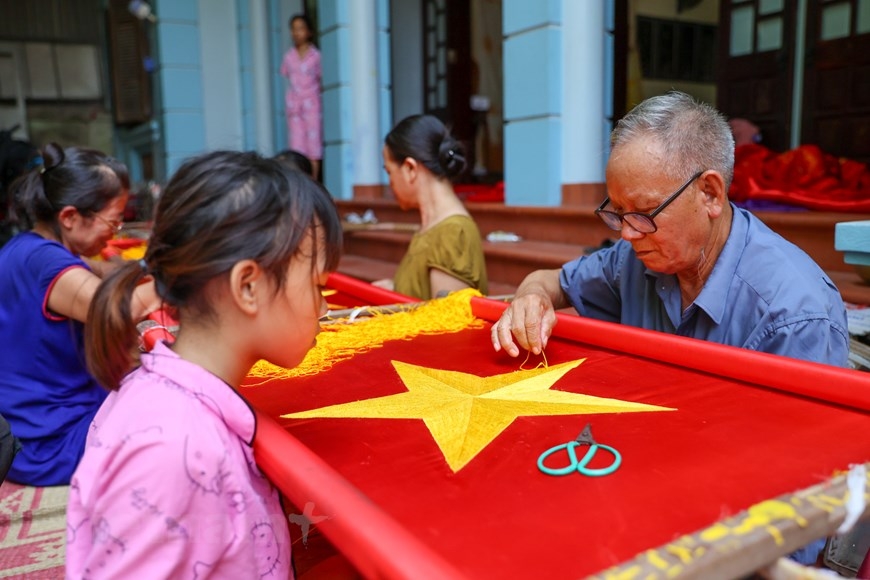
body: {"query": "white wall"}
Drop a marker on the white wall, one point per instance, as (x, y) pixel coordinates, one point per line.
(222, 101)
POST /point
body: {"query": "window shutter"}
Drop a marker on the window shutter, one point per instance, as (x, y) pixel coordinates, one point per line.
(128, 51)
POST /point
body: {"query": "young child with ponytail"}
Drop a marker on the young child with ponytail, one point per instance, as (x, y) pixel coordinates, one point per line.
(168, 487)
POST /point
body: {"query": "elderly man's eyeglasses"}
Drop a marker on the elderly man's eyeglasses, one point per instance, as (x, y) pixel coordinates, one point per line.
(114, 225)
(642, 222)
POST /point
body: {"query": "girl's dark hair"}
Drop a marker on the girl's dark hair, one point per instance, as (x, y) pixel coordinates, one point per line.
(304, 19)
(295, 160)
(218, 208)
(85, 179)
(426, 139)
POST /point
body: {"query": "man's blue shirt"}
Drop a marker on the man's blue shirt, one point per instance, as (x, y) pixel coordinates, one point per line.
(764, 294)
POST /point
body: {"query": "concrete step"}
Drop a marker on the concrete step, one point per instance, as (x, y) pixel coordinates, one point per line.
(506, 262)
(553, 236)
(812, 231)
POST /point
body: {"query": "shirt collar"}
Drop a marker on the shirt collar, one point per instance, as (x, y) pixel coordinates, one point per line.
(714, 294)
(210, 390)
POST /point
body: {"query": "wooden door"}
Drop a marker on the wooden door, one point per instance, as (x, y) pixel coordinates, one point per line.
(836, 113)
(447, 64)
(756, 63)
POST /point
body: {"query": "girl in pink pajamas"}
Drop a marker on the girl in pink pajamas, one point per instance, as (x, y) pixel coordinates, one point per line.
(168, 486)
(301, 66)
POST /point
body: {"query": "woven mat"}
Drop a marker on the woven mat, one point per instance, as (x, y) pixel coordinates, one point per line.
(32, 531)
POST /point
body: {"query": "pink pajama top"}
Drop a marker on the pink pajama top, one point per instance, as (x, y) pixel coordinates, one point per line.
(303, 107)
(168, 487)
(304, 75)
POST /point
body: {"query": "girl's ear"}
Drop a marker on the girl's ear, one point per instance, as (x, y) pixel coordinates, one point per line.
(247, 284)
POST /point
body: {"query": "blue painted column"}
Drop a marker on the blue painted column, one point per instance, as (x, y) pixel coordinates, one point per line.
(585, 124)
(337, 116)
(385, 82)
(365, 107)
(554, 54)
(179, 106)
(533, 101)
(221, 81)
(356, 95)
(262, 73)
(246, 75)
(279, 42)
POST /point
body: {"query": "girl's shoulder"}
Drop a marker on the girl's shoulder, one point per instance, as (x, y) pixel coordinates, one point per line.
(31, 253)
(31, 241)
(187, 400)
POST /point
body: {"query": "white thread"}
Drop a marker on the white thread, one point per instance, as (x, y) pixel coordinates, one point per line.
(856, 482)
(356, 312)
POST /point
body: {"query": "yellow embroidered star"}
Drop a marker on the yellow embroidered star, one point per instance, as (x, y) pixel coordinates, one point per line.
(464, 412)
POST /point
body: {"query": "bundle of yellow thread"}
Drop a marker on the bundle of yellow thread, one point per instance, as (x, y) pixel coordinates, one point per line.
(338, 342)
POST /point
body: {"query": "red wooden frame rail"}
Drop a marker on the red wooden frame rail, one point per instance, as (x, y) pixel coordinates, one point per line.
(832, 384)
(380, 547)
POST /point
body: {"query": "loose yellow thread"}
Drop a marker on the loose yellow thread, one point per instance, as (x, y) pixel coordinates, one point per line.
(338, 342)
(540, 365)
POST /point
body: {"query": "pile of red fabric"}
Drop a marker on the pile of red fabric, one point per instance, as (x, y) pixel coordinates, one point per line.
(480, 192)
(805, 177)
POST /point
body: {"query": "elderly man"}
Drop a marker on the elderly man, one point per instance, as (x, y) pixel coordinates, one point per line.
(689, 262)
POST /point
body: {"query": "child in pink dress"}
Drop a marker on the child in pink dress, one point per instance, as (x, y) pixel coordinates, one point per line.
(301, 66)
(168, 486)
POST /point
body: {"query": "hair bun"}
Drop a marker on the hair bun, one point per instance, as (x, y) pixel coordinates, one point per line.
(52, 156)
(451, 157)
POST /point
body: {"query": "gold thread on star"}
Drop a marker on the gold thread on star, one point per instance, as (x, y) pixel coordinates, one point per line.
(465, 412)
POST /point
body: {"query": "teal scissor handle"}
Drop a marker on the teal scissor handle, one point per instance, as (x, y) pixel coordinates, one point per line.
(580, 465)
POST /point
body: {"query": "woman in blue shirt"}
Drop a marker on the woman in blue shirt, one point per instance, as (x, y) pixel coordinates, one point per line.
(71, 207)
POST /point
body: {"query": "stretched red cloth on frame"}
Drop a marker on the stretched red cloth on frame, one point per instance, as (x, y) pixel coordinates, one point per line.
(398, 507)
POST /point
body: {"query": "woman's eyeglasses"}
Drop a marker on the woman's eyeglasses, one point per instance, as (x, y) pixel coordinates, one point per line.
(114, 225)
(642, 222)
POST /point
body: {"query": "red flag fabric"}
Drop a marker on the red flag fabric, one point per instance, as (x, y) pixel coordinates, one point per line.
(396, 508)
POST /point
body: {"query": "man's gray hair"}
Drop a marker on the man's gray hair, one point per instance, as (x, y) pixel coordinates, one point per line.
(694, 136)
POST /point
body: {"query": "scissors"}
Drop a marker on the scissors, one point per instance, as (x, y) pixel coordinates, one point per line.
(579, 465)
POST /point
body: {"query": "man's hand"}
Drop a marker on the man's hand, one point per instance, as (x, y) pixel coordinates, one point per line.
(531, 316)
